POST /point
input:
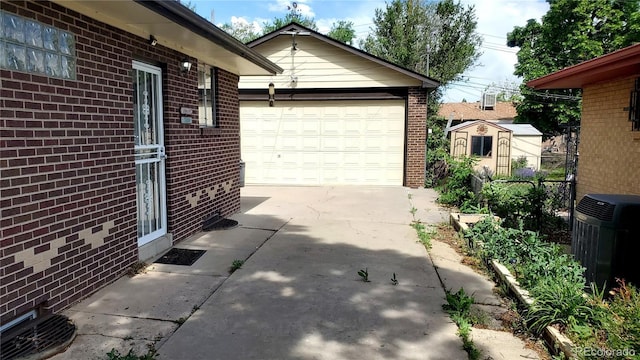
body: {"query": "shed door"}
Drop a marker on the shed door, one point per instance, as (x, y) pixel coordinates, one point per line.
(149, 152)
(323, 142)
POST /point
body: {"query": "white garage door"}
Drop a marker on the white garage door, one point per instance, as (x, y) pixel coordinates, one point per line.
(323, 142)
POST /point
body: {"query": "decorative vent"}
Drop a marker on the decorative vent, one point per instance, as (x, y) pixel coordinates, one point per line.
(488, 101)
(598, 209)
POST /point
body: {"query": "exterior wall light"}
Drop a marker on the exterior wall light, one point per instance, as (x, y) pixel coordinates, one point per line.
(185, 66)
(152, 40)
(272, 94)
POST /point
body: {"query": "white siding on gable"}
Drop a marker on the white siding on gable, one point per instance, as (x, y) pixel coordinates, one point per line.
(317, 64)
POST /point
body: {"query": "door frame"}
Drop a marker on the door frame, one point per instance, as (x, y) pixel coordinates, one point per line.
(161, 157)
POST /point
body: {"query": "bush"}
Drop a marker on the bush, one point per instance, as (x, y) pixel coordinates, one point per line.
(456, 189)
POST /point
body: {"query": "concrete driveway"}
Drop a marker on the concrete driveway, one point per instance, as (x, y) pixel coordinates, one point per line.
(299, 296)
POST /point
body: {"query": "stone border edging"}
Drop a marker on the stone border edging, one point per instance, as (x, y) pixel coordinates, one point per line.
(551, 335)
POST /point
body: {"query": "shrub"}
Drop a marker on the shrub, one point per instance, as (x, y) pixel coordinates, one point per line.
(457, 187)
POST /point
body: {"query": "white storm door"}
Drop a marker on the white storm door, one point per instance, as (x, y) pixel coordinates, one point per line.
(149, 152)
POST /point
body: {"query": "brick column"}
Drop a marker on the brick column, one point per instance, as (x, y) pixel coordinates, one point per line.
(416, 137)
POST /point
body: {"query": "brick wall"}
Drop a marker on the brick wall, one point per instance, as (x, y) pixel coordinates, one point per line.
(416, 138)
(67, 176)
(203, 165)
(609, 150)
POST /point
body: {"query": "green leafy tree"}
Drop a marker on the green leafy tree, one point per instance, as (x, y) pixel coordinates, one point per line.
(433, 38)
(343, 31)
(571, 31)
(242, 31)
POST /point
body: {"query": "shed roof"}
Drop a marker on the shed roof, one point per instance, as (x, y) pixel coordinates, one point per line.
(522, 129)
(427, 82)
(516, 129)
(618, 64)
(177, 27)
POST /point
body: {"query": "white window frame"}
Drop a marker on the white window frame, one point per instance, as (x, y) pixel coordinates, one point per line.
(208, 105)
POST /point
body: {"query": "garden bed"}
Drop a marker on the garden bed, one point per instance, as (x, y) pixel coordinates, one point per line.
(555, 340)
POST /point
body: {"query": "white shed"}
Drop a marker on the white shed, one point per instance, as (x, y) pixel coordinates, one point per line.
(497, 144)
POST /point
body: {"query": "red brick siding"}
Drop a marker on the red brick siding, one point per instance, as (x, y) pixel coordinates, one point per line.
(416, 138)
(66, 163)
(609, 150)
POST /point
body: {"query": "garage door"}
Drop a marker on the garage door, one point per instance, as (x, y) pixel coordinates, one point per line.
(323, 142)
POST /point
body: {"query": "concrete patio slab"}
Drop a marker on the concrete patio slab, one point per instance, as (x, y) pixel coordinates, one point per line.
(298, 295)
(456, 275)
(99, 334)
(500, 345)
(215, 262)
(152, 295)
(236, 238)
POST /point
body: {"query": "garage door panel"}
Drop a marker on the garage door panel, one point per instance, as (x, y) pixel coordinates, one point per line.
(332, 142)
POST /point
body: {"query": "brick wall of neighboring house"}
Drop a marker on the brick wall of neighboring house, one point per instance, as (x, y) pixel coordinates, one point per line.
(67, 175)
(416, 138)
(609, 150)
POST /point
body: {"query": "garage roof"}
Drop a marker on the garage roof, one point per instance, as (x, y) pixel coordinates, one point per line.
(177, 27)
(618, 64)
(427, 82)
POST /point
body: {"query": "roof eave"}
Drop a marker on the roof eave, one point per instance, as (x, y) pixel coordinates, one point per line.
(623, 62)
(182, 15)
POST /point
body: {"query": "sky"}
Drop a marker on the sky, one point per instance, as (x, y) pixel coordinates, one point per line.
(495, 19)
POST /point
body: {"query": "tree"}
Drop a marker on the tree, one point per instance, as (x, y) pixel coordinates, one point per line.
(571, 31)
(342, 31)
(241, 30)
(294, 15)
(433, 38)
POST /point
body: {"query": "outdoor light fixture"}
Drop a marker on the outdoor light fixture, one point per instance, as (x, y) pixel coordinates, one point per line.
(272, 94)
(152, 40)
(185, 66)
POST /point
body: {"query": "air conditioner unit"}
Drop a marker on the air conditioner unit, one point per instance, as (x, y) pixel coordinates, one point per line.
(606, 238)
(488, 101)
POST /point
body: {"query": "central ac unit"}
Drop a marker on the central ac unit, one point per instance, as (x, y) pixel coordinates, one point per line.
(606, 238)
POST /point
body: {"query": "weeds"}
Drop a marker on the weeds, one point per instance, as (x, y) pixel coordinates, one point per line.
(151, 354)
(139, 267)
(458, 307)
(424, 235)
(235, 265)
(364, 274)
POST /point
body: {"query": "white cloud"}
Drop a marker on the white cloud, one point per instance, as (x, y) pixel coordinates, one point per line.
(284, 6)
(256, 26)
